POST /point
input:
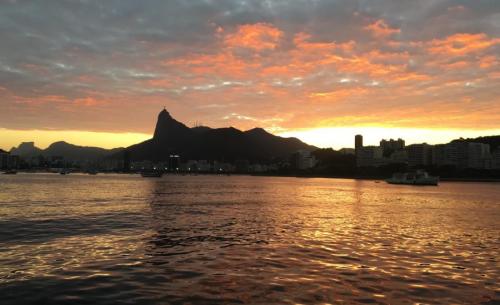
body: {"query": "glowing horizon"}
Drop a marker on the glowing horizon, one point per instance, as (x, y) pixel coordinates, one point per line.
(333, 137)
(43, 138)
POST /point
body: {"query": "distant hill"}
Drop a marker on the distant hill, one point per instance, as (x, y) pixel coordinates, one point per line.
(227, 144)
(63, 149)
(26, 150)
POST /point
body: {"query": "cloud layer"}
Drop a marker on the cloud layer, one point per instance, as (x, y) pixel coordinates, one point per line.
(283, 65)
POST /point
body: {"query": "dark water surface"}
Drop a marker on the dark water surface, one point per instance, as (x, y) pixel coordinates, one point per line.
(111, 239)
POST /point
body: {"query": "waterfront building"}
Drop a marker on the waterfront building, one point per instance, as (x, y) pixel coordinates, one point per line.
(204, 166)
(399, 157)
(8, 161)
(461, 154)
(4, 159)
(347, 151)
(174, 162)
(369, 156)
(390, 146)
(192, 165)
(358, 142)
(495, 159)
(477, 155)
(223, 167)
(419, 154)
(303, 159)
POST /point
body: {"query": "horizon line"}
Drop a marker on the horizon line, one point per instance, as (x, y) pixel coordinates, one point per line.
(98, 138)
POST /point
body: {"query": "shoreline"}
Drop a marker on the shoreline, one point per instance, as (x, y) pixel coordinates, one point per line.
(373, 178)
(378, 178)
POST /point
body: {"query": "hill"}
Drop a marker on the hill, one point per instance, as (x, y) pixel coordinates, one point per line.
(229, 144)
(63, 149)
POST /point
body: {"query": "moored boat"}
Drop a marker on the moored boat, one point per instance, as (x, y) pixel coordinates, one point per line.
(10, 172)
(419, 177)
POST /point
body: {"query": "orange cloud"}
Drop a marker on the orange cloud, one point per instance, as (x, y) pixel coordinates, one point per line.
(488, 62)
(224, 63)
(461, 44)
(259, 36)
(323, 79)
(88, 101)
(380, 29)
(338, 95)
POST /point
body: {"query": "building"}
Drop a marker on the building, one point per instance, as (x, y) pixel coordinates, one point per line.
(495, 159)
(204, 166)
(303, 159)
(347, 151)
(369, 156)
(358, 143)
(8, 161)
(224, 167)
(126, 161)
(419, 154)
(174, 163)
(390, 146)
(478, 155)
(192, 165)
(399, 157)
(439, 155)
(4, 159)
(461, 154)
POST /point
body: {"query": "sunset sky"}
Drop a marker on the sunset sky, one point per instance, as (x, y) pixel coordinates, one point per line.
(98, 72)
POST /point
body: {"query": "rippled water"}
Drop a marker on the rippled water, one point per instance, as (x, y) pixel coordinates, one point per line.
(111, 239)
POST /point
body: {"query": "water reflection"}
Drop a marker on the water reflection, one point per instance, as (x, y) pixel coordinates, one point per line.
(211, 239)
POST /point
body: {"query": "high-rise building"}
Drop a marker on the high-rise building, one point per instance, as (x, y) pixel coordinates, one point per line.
(4, 159)
(495, 159)
(174, 162)
(461, 154)
(303, 159)
(390, 146)
(477, 154)
(419, 154)
(369, 156)
(358, 142)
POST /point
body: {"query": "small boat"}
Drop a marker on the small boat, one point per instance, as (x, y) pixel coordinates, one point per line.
(92, 172)
(419, 177)
(10, 172)
(151, 174)
(64, 172)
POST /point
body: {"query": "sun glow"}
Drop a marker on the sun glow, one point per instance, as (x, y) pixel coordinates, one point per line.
(43, 138)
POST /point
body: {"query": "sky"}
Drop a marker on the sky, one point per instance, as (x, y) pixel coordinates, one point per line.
(98, 72)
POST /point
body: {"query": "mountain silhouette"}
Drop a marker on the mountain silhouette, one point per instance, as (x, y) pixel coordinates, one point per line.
(63, 149)
(228, 144)
(75, 152)
(26, 150)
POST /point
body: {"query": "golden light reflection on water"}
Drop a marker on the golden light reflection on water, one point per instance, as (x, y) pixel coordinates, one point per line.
(227, 239)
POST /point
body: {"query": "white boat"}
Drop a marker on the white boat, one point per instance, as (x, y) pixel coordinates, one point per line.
(419, 177)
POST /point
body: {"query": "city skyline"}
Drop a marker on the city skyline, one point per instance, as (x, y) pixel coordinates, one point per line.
(94, 73)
